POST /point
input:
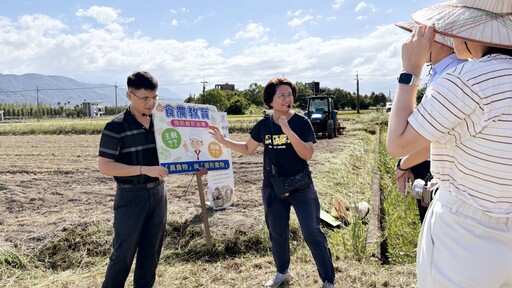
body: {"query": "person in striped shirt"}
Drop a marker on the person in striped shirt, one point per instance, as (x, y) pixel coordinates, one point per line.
(466, 238)
(442, 58)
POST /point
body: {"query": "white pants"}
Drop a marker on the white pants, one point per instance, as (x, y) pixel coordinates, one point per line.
(460, 246)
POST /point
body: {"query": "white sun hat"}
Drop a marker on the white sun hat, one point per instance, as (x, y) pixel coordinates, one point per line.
(439, 38)
(485, 21)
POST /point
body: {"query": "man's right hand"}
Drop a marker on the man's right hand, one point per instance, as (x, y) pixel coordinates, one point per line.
(159, 172)
(403, 178)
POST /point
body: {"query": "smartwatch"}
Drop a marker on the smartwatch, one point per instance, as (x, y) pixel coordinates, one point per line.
(408, 79)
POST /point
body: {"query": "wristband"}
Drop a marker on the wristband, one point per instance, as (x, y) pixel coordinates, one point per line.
(398, 166)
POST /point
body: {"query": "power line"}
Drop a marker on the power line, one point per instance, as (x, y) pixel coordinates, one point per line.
(56, 89)
(17, 91)
(82, 88)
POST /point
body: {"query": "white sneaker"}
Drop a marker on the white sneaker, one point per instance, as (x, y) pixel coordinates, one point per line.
(278, 279)
(327, 285)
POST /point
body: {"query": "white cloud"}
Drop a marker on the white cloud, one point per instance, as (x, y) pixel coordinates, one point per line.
(255, 31)
(104, 15)
(299, 21)
(293, 14)
(337, 4)
(201, 18)
(180, 10)
(364, 6)
(41, 44)
(227, 42)
(174, 22)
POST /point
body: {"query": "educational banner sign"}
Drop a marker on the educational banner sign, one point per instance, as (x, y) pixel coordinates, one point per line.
(221, 184)
(182, 139)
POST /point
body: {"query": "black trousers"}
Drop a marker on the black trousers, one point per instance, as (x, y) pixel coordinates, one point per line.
(421, 171)
(140, 216)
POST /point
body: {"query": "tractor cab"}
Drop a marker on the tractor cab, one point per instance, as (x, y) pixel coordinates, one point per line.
(323, 115)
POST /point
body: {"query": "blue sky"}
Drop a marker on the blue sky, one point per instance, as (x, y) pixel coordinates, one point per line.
(186, 42)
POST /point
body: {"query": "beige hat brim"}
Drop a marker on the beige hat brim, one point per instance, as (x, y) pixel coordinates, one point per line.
(473, 24)
(439, 38)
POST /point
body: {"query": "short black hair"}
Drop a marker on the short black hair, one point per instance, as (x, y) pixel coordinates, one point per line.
(142, 80)
(497, 50)
(271, 87)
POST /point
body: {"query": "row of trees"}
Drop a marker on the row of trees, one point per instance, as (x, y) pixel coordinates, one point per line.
(29, 110)
(240, 102)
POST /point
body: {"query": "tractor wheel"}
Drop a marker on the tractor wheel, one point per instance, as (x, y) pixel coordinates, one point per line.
(330, 129)
(335, 129)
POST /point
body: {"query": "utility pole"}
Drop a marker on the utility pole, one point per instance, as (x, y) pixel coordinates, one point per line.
(37, 103)
(357, 91)
(204, 85)
(115, 91)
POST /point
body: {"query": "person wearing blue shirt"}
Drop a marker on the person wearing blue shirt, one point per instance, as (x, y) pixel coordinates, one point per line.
(417, 165)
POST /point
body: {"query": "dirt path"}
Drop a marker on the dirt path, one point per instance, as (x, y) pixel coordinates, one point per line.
(49, 183)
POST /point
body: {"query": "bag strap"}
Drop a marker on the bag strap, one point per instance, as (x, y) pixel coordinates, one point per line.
(273, 161)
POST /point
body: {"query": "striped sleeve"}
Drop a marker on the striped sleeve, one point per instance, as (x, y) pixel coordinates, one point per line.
(452, 114)
(109, 142)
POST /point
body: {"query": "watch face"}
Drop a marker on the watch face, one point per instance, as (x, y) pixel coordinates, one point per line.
(405, 78)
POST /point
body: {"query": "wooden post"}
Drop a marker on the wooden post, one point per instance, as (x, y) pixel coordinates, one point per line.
(207, 234)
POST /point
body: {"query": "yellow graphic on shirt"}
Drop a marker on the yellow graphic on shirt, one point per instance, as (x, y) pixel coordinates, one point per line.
(278, 139)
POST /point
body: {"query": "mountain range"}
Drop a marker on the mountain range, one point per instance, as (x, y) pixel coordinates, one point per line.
(60, 90)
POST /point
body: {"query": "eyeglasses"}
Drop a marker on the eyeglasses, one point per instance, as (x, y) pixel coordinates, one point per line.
(281, 97)
(146, 100)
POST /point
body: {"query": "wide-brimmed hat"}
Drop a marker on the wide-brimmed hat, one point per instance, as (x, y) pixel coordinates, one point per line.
(485, 21)
(439, 38)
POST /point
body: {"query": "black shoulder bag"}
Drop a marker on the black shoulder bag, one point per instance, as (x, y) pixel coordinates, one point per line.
(284, 186)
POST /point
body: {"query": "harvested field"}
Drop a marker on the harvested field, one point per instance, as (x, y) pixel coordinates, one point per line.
(50, 184)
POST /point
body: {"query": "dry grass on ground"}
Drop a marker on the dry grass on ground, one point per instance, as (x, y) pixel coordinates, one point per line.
(50, 185)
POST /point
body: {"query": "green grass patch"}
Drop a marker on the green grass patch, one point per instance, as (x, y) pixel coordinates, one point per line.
(402, 224)
(76, 247)
(12, 259)
(186, 243)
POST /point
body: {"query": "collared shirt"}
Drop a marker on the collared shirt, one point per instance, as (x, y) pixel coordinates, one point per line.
(126, 140)
(440, 68)
(468, 120)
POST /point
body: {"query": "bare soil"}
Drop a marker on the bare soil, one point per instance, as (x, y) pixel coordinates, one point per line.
(51, 183)
(48, 183)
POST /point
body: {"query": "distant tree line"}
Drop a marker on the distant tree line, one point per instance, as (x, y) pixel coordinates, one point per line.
(250, 100)
(240, 102)
(29, 110)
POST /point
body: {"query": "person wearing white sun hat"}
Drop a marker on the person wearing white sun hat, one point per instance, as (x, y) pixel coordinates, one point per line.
(466, 238)
(414, 166)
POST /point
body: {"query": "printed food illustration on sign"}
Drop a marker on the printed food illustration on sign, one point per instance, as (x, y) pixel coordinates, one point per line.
(183, 142)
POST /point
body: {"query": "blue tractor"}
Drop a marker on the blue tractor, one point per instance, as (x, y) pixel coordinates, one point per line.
(323, 115)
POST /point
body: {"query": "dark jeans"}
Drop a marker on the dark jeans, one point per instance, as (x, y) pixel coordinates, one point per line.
(277, 216)
(140, 216)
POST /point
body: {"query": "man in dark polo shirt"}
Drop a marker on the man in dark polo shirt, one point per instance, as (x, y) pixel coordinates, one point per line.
(128, 153)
